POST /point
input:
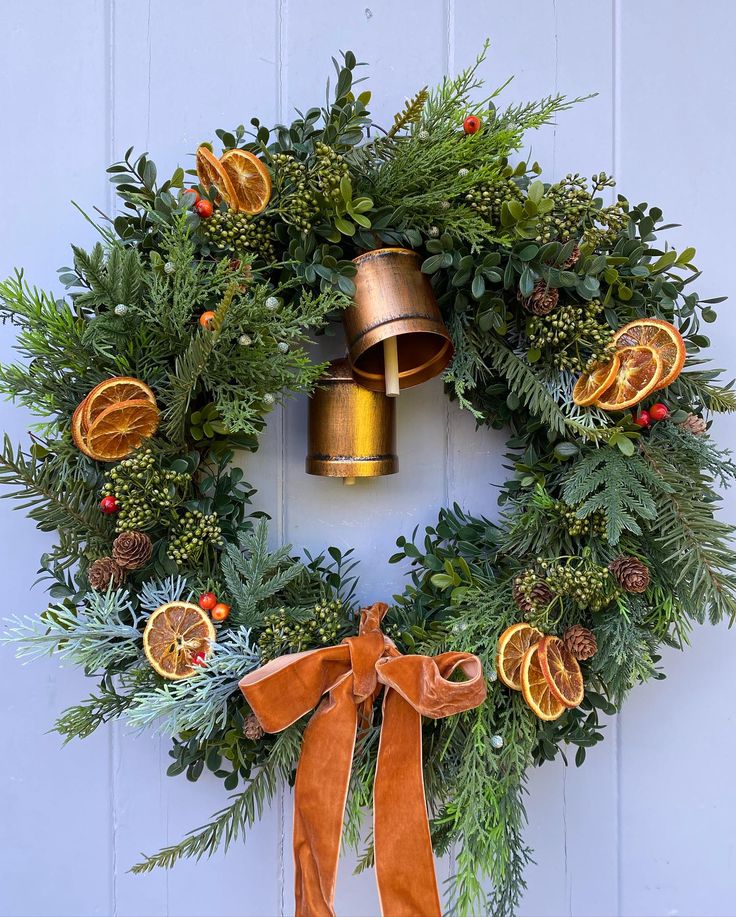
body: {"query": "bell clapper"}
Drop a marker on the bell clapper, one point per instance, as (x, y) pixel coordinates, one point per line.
(391, 367)
(348, 482)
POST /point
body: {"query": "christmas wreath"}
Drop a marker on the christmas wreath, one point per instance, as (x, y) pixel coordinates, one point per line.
(572, 325)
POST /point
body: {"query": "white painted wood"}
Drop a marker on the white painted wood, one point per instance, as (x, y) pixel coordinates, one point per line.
(645, 826)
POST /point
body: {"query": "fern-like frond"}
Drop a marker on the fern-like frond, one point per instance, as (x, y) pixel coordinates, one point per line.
(253, 574)
(182, 384)
(622, 487)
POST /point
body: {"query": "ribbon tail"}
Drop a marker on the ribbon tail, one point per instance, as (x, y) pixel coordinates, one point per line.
(407, 884)
(320, 792)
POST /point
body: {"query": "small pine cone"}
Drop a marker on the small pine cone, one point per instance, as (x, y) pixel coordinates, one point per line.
(132, 550)
(693, 424)
(580, 642)
(252, 728)
(531, 600)
(542, 300)
(573, 259)
(630, 573)
(103, 573)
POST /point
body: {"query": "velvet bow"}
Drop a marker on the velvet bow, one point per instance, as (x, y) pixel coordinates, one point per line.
(351, 676)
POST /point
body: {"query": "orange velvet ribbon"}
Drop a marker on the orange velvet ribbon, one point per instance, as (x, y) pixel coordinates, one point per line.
(351, 675)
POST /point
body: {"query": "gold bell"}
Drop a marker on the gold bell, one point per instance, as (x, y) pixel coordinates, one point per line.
(351, 430)
(395, 334)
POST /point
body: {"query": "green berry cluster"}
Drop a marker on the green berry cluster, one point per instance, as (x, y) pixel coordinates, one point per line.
(573, 336)
(283, 632)
(577, 214)
(531, 593)
(147, 494)
(194, 531)
(330, 169)
(298, 203)
(240, 233)
(595, 524)
(587, 584)
(488, 199)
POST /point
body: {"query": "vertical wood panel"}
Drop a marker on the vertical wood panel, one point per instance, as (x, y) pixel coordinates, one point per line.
(54, 803)
(677, 127)
(173, 88)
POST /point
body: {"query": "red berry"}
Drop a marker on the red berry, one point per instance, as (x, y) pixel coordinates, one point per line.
(220, 611)
(109, 505)
(206, 318)
(659, 411)
(207, 600)
(471, 125)
(643, 419)
(194, 199)
(199, 658)
(203, 208)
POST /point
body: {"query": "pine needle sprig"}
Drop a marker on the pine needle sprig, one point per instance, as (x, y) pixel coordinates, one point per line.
(247, 807)
(101, 634)
(199, 703)
(694, 546)
(71, 511)
(698, 388)
(83, 719)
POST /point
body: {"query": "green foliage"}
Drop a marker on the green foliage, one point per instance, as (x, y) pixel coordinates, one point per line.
(101, 635)
(199, 704)
(255, 576)
(688, 542)
(622, 487)
(533, 278)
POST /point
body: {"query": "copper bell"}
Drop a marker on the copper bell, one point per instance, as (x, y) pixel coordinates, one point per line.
(351, 430)
(395, 334)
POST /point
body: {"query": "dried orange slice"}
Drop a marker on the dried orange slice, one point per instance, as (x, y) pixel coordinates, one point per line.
(250, 178)
(113, 391)
(176, 638)
(535, 687)
(79, 429)
(512, 645)
(639, 372)
(592, 384)
(121, 428)
(211, 174)
(562, 671)
(663, 337)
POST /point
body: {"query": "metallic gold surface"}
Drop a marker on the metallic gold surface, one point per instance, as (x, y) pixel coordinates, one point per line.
(393, 298)
(351, 430)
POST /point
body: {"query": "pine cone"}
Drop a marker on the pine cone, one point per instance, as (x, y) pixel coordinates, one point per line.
(542, 300)
(630, 573)
(252, 728)
(573, 259)
(580, 641)
(693, 424)
(532, 599)
(103, 573)
(132, 550)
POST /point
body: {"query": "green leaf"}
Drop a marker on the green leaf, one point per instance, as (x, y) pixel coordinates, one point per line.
(535, 191)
